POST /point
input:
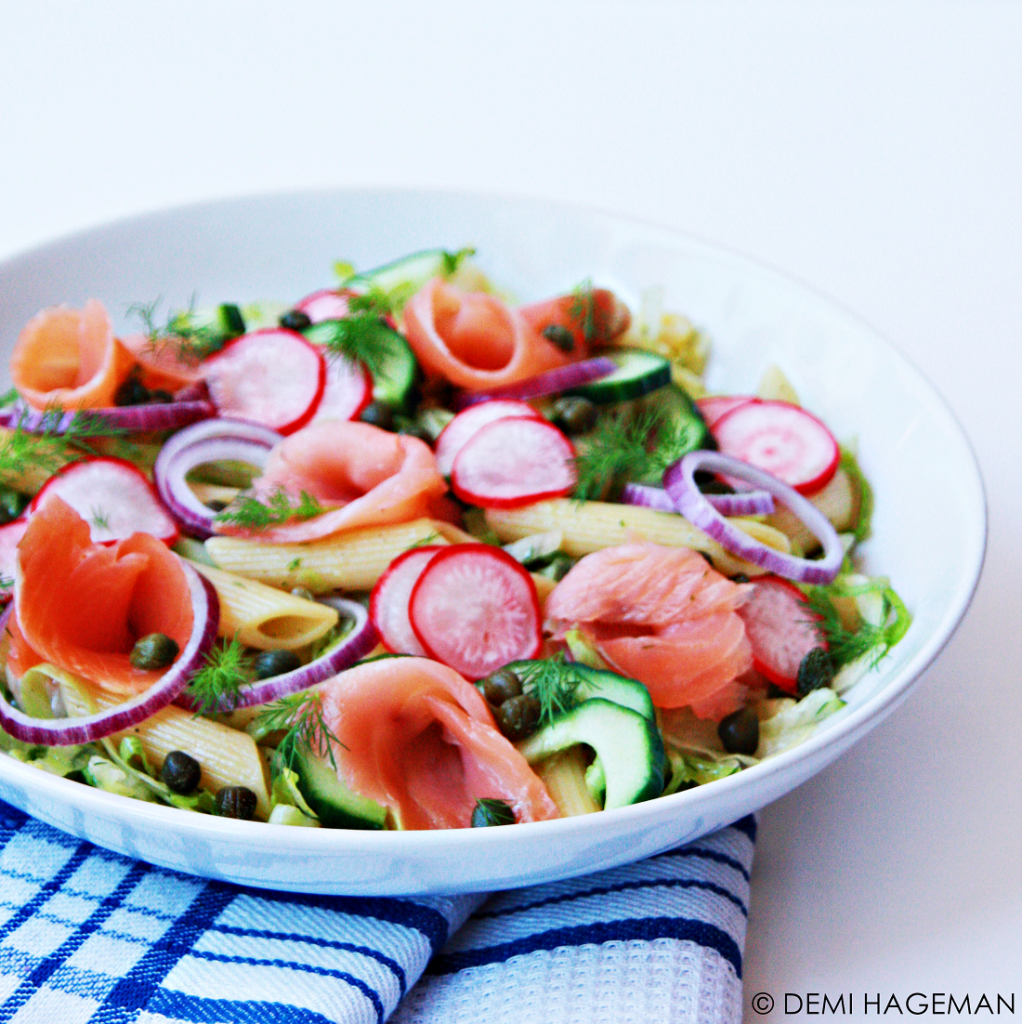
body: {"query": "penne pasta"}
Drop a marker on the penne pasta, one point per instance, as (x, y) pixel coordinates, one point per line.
(592, 525)
(353, 560)
(265, 617)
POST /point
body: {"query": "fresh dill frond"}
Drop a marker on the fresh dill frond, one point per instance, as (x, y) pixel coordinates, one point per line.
(845, 645)
(191, 340)
(9, 397)
(253, 514)
(621, 449)
(100, 519)
(217, 685)
(583, 309)
(6, 583)
(300, 717)
(362, 338)
(554, 682)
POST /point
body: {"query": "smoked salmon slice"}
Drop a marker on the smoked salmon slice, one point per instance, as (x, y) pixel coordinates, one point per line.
(362, 475)
(160, 363)
(82, 606)
(661, 615)
(70, 358)
(418, 738)
(474, 340)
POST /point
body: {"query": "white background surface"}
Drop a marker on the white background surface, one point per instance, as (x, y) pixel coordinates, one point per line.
(873, 151)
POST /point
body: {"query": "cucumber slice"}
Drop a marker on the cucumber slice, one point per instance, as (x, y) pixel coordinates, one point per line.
(638, 374)
(627, 744)
(395, 380)
(602, 684)
(335, 804)
(215, 323)
(686, 418)
(410, 273)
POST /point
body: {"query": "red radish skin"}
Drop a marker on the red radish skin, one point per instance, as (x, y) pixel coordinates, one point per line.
(514, 462)
(475, 609)
(348, 389)
(782, 439)
(467, 424)
(781, 629)
(388, 603)
(114, 497)
(325, 304)
(714, 407)
(273, 377)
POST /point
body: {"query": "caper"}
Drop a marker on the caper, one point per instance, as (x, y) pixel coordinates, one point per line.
(12, 504)
(157, 650)
(739, 732)
(275, 663)
(236, 802)
(498, 686)
(160, 396)
(415, 430)
(574, 415)
(216, 505)
(378, 414)
(560, 336)
(490, 811)
(815, 670)
(180, 772)
(131, 392)
(517, 717)
(294, 320)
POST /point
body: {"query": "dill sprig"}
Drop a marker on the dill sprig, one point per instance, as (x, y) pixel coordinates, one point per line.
(217, 685)
(870, 639)
(362, 338)
(300, 716)
(52, 441)
(253, 514)
(583, 309)
(191, 340)
(554, 682)
(640, 449)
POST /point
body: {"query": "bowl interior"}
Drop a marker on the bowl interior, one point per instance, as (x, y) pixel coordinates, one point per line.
(929, 521)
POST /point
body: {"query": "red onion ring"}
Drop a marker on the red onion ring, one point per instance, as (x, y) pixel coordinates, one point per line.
(131, 418)
(694, 506)
(357, 644)
(197, 445)
(741, 503)
(63, 732)
(551, 382)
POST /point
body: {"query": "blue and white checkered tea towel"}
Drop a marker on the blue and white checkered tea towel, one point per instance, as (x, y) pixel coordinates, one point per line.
(91, 937)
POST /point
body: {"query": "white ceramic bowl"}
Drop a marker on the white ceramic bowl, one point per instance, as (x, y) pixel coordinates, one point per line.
(284, 246)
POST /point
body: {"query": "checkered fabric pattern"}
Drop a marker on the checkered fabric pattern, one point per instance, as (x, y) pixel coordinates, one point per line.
(91, 937)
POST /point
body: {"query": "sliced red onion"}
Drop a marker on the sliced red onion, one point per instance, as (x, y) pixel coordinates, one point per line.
(130, 418)
(552, 382)
(62, 732)
(741, 503)
(694, 506)
(209, 441)
(357, 644)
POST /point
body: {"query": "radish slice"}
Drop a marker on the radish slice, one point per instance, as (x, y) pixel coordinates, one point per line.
(514, 462)
(325, 304)
(347, 391)
(475, 609)
(741, 503)
(551, 382)
(113, 497)
(679, 481)
(357, 644)
(781, 629)
(467, 424)
(273, 377)
(10, 536)
(783, 440)
(388, 603)
(714, 407)
(70, 731)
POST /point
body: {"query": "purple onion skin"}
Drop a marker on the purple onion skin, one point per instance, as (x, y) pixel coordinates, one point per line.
(356, 646)
(742, 503)
(552, 382)
(63, 732)
(694, 506)
(132, 418)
